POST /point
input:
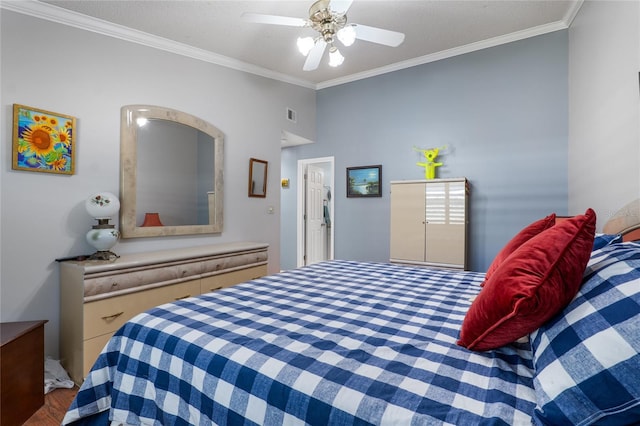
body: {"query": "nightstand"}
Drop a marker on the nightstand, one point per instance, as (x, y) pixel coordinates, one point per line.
(21, 370)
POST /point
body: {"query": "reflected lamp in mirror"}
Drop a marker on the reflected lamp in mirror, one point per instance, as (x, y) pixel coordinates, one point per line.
(103, 236)
(171, 163)
(152, 219)
(257, 178)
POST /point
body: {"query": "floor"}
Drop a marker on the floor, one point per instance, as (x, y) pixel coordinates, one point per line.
(55, 406)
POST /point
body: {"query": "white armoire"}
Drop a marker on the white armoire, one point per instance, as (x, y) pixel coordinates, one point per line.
(429, 222)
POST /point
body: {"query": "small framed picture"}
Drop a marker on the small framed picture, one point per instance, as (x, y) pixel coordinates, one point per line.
(364, 181)
(43, 141)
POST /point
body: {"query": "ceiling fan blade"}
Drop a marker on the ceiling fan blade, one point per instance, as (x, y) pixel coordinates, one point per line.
(259, 18)
(378, 35)
(340, 6)
(315, 56)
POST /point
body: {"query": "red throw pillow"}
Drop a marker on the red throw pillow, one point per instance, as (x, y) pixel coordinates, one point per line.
(535, 282)
(521, 237)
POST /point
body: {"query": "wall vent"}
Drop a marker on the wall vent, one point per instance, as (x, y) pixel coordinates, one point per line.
(291, 115)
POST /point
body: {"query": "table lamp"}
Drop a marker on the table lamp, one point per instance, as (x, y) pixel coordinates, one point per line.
(103, 236)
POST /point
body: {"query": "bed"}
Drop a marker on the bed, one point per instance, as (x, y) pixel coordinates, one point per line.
(362, 343)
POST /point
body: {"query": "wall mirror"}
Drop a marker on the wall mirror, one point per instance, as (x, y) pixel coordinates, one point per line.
(257, 178)
(171, 170)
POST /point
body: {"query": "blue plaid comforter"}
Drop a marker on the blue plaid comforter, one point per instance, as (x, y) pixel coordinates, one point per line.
(337, 343)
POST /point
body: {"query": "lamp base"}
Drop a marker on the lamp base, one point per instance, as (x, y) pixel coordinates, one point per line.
(103, 237)
(103, 255)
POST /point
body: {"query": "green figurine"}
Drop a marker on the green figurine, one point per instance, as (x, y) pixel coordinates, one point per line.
(430, 163)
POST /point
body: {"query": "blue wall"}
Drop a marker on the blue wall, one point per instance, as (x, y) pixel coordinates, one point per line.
(502, 112)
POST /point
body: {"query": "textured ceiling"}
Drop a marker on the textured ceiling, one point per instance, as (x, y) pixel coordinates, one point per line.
(433, 29)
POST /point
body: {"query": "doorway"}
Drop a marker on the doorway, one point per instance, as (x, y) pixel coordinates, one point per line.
(315, 236)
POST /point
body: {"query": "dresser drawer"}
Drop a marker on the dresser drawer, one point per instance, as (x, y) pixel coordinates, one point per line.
(97, 297)
(217, 282)
(107, 315)
(91, 350)
(103, 283)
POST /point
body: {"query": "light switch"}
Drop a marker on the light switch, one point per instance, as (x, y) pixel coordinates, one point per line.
(270, 209)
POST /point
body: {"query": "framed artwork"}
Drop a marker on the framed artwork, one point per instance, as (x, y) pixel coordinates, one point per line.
(43, 141)
(364, 181)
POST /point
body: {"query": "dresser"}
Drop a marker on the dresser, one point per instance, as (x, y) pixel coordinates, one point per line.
(97, 297)
(429, 222)
(21, 370)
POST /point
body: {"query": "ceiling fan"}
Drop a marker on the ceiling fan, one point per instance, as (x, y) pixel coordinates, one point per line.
(329, 18)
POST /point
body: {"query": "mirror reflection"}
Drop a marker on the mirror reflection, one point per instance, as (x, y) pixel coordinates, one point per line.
(171, 167)
(174, 180)
(257, 178)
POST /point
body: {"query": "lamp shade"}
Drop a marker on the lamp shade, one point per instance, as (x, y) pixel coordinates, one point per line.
(347, 35)
(102, 205)
(305, 44)
(152, 219)
(335, 58)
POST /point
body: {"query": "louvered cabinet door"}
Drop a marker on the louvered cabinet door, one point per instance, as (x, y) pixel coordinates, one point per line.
(445, 224)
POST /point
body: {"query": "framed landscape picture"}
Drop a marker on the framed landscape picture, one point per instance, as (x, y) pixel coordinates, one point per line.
(43, 141)
(364, 181)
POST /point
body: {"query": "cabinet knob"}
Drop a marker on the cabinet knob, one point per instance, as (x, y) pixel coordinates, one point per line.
(216, 288)
(183, 297)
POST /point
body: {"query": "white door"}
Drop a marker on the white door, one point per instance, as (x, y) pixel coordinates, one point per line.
(314, 224)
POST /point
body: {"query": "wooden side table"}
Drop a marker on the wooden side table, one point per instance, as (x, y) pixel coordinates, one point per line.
(21, 370)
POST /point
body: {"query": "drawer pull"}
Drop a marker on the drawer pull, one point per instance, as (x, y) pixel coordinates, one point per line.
(109, 318)
(183, 297)
(216, 288)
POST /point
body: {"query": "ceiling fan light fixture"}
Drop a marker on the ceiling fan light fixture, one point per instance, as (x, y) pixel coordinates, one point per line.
(305, 44)
(328, 18)
(347, 35)
(335, 57)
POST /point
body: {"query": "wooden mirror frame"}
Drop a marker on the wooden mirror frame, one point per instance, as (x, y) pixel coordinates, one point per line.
(254, 178)
(128, 172)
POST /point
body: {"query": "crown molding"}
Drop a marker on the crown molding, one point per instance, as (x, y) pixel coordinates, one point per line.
(66, 17)
(456, 51)
(77, 20)
(572, 12)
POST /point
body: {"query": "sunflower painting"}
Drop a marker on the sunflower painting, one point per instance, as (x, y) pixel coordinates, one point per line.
(43, 141)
